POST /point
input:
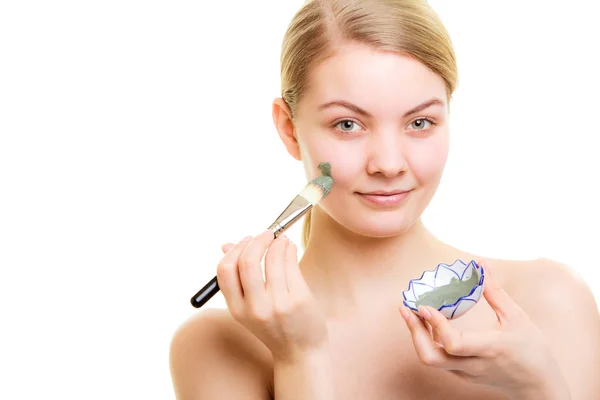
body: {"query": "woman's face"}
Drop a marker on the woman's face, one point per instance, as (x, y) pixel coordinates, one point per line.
(381, 120)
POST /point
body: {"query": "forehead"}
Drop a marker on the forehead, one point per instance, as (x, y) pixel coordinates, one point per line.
(380, 81)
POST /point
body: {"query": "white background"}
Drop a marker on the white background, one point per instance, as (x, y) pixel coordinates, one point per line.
(136, 137)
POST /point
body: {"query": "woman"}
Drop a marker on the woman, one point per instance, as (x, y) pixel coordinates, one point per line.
(366, 87)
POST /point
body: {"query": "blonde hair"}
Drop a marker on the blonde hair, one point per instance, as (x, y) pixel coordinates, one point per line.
(409, 27)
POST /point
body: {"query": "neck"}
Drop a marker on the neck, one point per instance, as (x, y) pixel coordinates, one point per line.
(347, 271)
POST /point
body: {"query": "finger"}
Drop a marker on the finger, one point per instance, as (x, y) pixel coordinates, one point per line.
(250, 269)
(226, 247)
(295, 279)
(275, 268)
(502, 304)
(432, 331)
(456, 342)
(427, 351)
(436, 337)
(434, 334)
(434, 356)
(228, 277)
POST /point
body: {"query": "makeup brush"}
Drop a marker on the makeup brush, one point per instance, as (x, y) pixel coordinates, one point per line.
(313, 192)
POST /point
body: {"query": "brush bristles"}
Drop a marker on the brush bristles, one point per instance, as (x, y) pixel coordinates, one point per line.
(317, 189)
(312, 193)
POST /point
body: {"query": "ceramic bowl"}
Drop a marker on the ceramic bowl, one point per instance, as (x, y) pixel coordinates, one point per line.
(452, 289)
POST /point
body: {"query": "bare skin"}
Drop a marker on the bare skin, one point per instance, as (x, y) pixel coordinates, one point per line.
(372, 352)
(361, 256)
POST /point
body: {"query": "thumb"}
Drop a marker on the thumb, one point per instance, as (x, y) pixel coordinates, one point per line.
(502, 304)
(226, 247)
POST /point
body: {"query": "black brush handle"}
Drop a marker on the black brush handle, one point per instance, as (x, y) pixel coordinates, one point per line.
(206, 293)
(281, 224)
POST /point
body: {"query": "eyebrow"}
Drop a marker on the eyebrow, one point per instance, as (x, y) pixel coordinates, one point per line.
(358, 110)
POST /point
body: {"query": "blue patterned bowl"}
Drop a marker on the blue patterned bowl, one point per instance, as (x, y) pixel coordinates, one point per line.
(452, 289)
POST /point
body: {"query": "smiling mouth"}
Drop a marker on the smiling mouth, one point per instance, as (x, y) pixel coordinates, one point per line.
(384, 198)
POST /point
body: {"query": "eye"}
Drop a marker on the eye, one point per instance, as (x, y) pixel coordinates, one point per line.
(421, 124)
(346, 126)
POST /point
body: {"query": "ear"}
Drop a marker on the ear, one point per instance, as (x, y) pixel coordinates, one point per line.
(282, 117)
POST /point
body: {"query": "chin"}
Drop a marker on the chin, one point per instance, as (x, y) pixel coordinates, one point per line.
(378, 224)
(384, 226)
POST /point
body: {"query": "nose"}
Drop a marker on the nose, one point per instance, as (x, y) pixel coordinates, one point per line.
(386, 155)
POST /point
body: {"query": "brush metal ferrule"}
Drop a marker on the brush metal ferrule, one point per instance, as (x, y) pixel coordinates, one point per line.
(293, 212)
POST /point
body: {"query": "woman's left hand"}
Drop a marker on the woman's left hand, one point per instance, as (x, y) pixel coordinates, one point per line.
(513, 357)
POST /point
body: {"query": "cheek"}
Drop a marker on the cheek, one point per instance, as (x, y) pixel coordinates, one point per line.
(428, 159)
(343, 157)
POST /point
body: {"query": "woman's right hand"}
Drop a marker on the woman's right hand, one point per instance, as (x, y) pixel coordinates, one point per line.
(279, 310)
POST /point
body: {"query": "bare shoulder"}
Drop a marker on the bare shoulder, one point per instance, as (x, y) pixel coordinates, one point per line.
(561, 304)
(546, 289)
(212, 356)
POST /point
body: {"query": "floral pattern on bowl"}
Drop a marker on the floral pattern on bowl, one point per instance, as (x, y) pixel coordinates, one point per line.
(463, 286)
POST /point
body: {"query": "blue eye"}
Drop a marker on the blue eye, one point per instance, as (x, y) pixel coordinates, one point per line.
(421, 124)
(346, 125)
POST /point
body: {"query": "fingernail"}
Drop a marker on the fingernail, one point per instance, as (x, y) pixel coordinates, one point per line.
(247, 238)
(425, 313)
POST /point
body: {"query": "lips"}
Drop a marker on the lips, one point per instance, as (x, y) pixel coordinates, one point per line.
(384, 198)
(384, 193)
